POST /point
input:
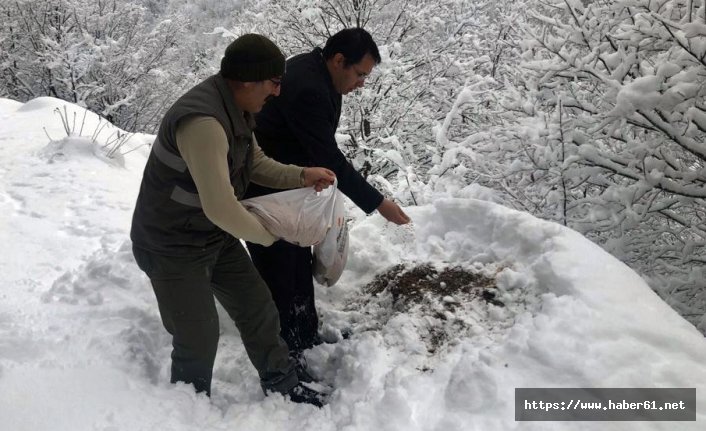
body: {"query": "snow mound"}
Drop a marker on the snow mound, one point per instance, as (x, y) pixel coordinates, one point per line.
(73, 130)
(570, 319)
(47, 104)
(9, 105)
(73, 148)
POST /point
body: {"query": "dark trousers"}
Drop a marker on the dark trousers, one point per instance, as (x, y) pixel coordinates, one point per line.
(286, 268)
(185, 287)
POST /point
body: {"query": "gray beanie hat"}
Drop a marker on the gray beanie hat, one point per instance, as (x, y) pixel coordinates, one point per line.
(252, 57)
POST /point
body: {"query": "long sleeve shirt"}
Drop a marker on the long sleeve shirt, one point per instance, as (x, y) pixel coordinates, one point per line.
(203, 145)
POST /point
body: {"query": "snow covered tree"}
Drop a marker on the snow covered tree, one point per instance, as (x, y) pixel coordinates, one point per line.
(103, 54)
(622, 84)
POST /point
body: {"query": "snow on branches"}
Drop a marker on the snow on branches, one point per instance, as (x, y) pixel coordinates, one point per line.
(107, 56)
(629, 77)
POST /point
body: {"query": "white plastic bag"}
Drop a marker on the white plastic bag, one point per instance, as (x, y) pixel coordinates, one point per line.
(300, 216)
(331, 254)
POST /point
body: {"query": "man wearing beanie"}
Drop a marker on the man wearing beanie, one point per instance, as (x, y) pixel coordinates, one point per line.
(299, 127)
(188, 220)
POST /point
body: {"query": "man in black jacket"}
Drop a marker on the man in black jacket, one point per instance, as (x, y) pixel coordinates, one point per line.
(298, 128)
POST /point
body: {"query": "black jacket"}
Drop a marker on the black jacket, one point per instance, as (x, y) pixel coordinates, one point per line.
(299, 126)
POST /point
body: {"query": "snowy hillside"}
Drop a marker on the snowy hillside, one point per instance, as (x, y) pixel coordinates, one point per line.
(82, 346)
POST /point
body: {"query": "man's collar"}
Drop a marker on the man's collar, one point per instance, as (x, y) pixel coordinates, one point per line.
(243, 122)
(324, 69)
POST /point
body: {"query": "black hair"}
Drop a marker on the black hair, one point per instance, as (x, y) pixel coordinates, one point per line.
(353, 44)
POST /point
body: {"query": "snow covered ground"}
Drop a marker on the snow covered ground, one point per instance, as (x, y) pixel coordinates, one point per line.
(82, 346)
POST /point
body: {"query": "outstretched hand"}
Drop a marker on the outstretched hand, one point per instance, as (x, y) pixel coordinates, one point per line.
(392, 212)
(319, 178)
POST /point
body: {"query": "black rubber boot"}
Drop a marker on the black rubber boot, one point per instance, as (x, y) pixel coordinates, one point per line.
(305, 395)
(302, 368)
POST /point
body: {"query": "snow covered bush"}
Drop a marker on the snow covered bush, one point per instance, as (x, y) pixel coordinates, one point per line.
(616, 91)
(106, 55)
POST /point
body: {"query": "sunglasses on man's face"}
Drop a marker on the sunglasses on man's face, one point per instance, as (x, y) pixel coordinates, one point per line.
(276, 81)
